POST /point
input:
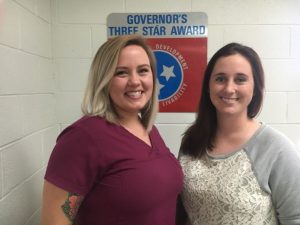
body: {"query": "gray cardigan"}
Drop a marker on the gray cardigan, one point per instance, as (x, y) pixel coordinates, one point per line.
(276, 164)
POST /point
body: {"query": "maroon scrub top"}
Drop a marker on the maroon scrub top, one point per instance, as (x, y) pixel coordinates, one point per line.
(123, 180)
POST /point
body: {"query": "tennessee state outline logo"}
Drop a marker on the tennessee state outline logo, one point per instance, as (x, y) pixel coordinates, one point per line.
(180, 65)
(169, 74)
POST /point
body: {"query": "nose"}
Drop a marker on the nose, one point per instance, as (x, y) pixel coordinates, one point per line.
(230, 87)
(134, 79)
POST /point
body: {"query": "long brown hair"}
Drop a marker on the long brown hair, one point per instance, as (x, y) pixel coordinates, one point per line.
(200, 136)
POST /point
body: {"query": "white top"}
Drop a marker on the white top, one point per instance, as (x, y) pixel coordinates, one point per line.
(225, 192)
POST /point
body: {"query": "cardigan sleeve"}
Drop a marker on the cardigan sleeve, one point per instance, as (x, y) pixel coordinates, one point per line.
(276, 164)
(284, 183)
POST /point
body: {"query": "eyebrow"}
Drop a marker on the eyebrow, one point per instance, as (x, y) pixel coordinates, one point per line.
(246, 76)
(218, 74)
(222, 74)
(139, 66)
(121, 67)
(146, 65)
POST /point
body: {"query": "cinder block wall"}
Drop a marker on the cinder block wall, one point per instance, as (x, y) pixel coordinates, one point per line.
(46, 47)
(271, 27)
(28, 124)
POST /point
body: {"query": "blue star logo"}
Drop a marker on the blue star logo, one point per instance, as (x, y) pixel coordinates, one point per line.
(169, 74)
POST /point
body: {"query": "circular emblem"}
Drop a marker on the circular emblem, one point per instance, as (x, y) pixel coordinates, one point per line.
(169, 74)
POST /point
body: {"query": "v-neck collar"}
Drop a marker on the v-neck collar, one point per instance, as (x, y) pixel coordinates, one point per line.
(125, 131)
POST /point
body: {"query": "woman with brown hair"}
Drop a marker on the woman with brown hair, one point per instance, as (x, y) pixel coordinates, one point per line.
(237, 170)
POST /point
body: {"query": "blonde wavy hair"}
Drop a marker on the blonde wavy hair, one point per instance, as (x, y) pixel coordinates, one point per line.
(96, 100)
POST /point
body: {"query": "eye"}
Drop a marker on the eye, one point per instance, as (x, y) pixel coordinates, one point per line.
(144, 70)
(219, 79)
(241, 79)
(120, 73)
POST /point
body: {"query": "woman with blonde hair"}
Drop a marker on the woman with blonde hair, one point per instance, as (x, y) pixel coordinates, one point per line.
(111, 166)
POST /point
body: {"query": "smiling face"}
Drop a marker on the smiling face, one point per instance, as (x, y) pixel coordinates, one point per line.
(231, 85)
(132, 85)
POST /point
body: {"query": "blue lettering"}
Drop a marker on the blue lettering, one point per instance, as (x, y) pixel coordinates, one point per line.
(145, 31)
(115, 31)
(188, 30)
(154, 30)
(183, 18)
(157, 19)
(129, 19)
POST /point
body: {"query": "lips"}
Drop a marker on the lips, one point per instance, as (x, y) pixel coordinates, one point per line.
(229, 100)
(134, 94)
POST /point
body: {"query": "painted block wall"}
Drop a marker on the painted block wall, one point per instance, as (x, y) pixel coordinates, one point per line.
(271, 27)
(46, 47)
(28, 120)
